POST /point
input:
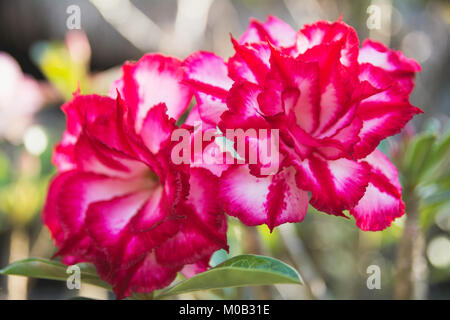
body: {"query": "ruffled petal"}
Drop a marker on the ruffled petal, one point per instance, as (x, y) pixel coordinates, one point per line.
(157, 128)
(210, 108)
(274, 30)
(400, 67)
(93, 156)
(335, 185)
(272, 200)
(382, 203)
(108, 224)
(301, 92)
(250, 63)
(384, 113)
(50, 210)
(207, 73)
(80, 189)
(152, 80)
(324, 32)
(244, 196)
(243, 108)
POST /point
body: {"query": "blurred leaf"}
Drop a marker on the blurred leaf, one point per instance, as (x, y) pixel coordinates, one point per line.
(439, 160)
(5, 168)
(53, 270)
(416, 156)
(240, 271)
(21, 200)
(60, 69)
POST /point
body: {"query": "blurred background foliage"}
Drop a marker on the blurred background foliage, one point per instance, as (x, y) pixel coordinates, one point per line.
(331, 254)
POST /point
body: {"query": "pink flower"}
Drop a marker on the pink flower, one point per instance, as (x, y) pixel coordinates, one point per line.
(332, 102)
(118, 201)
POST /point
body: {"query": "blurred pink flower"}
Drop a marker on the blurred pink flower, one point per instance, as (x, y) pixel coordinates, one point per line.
(20, 98)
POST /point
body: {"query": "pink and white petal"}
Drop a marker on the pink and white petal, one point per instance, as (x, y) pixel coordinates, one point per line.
(380, 163)
(152, 80)
(303, 77)
(272, 200)
(108, 225)
(203, 195)
(262, 152)
(346, 135)
(243, 108)
(335, 185)
(94, 156)
(238, 69)
(116, 87)
(211, 158)
(193, 117)
(275, 98)
(384, 113)
(80, 189)
(251, 62)
(155, 211)
(285, 202)
(274, 30)
(76, 118)
(324, 32)
(381, 120)
(243, 195)
(401, 68)
(382, 202)
(207, 73)
(335, 100)
(379, 55)
(210, 108)
(157, 128)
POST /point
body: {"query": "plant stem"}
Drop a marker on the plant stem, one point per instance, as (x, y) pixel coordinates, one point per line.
(19, 249)
(411, 267)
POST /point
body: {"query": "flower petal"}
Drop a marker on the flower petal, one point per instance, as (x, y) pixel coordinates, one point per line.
(152, 80)
(274, 30)
(200, 234)
(207, 73)
(324, 32)
(143, 276)
(400, 67)
(157, 128)
(382, 202)
(335, 185)
(384, 113)
(272, 200)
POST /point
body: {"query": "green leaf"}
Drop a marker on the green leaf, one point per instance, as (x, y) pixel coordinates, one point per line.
(240, 271)
(53, 270)
(416, 157)
(438, 162)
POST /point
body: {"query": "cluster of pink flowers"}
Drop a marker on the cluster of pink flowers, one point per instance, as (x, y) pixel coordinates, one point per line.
(120, 202)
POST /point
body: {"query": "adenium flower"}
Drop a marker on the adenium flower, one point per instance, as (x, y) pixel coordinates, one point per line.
(332, 102)
(118, 201)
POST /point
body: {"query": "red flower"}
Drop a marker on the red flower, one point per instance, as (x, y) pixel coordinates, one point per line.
(118, 201)
(332, 103)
